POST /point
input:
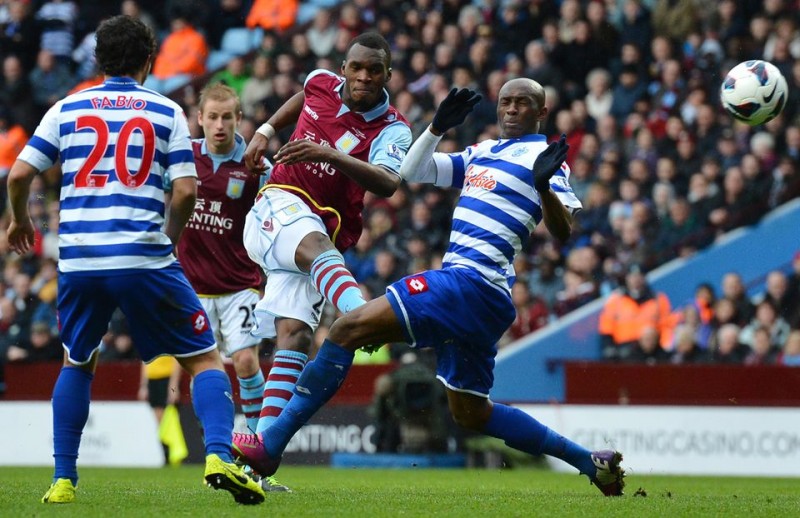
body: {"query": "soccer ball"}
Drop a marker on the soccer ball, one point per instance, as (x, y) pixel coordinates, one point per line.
(754, 92)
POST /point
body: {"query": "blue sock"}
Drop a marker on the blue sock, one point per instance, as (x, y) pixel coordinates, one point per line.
(335, 282)
(286, 368)
(71, 396)
(251, 393)
(213, 403)
(317, 384)
(524, 433)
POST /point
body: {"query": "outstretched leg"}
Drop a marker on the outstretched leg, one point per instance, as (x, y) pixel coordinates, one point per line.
(522, 432)
(374, 322)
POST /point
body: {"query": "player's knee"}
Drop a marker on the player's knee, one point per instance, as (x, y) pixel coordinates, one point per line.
(470, 417)
(311, 247)
(295, 337)
(245, 362)
(468, 421)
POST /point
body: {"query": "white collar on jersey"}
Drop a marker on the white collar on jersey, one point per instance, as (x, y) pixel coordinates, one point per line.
(238, 148)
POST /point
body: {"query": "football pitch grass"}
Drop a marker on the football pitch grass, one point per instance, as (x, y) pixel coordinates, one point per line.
(362, 493)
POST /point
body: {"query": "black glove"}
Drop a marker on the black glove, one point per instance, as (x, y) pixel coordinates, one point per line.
(454, 109)
(548, 162)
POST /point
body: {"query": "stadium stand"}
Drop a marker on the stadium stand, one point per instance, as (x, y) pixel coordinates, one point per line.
(642, 147)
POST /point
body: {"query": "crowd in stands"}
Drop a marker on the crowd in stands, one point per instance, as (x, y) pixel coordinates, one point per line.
(661, 169)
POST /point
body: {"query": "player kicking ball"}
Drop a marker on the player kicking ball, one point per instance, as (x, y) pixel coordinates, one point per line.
(507, 187)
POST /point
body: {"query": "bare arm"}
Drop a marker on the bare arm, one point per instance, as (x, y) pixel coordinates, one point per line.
(374, 178)
(20, 231)
(556, 217)
(286, 115)
(184, 194)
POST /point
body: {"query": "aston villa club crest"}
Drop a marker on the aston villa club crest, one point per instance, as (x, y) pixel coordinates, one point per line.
(347, 142)
(235, 188)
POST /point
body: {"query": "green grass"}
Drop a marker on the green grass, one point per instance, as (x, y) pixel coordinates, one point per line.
(367, 493)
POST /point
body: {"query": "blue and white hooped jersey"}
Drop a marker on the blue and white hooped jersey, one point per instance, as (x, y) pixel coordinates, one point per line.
(116, 143)
(498, 207)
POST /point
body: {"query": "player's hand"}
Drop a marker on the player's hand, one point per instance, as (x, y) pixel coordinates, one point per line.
(548, 162)
(302, 151)
(20, 235)
(254, 157)
(454, 108)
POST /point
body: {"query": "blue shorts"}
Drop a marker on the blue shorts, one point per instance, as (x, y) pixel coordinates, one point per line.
(163, 311)
(457, 313)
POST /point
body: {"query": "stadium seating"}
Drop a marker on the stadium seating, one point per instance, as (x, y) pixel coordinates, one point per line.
(236, 41)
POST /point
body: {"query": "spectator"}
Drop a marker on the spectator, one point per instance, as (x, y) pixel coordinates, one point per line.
(183, 51)
(42, 346)
(627, 92)
(532, 313)
(727, 348)
(322, 34)
(386, 272)
(736, 207)
(539, 66)
(234, 74)
(675, 18)
(680, 232)
(12, 139)
(83, 55)
(11, 331)
(687, 350)
(360, 259)
(57, 19)
(257, 87)
(733, 289)
(272, 15)
(648, 348)
(16, 94)
(224, 15)
(628, 312)
(546, 281)
(777, 293)
(21, 35)
(764, 351)
(133, 9)
(766, 317)
(52, 79)
(790, 356)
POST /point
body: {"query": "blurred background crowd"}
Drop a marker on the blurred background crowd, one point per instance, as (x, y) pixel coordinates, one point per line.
(661, 169)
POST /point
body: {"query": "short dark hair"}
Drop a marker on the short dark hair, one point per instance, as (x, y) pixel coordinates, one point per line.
(124, 44)
(372, 40)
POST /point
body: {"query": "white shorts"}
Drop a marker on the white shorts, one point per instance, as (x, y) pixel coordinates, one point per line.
(273, 229)
(231, 319)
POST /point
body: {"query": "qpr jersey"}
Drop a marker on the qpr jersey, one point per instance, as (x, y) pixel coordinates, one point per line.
(498, 207)
(115, 143)
(380, 136)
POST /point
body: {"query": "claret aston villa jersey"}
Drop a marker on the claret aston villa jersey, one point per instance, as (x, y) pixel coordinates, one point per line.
(380, 137)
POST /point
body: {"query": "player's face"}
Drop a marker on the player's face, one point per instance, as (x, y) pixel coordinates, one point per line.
(219, 120)
(518, 111)
(366, 75)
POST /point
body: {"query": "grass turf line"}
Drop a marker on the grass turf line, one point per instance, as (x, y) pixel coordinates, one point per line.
(326, 492)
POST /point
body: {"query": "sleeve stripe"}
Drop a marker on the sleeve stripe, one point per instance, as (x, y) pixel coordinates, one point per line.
(44, 147)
